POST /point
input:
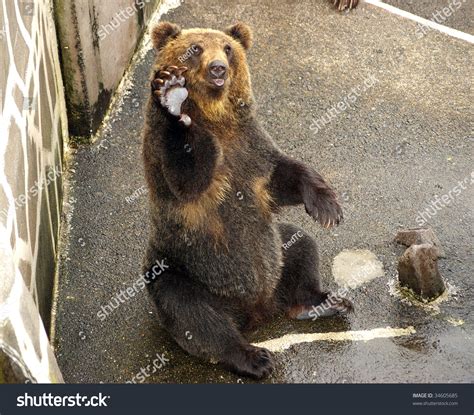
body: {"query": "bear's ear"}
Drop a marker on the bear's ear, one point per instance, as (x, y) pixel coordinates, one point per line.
(162, 33)
(242, 33)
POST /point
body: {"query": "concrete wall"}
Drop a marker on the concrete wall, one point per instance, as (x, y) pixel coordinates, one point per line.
(97, 39)
(33, 128)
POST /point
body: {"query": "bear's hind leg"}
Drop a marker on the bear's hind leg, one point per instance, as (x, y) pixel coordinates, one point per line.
(203, 327)
(299, 292)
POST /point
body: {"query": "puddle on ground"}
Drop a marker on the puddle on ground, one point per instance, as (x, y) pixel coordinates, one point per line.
(353, 268)
(407, 296)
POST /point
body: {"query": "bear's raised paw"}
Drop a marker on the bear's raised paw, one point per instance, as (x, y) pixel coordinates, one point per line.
(322, 205)
(168, 90)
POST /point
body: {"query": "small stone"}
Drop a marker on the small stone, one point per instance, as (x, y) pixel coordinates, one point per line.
(418, 236)
(418, 271)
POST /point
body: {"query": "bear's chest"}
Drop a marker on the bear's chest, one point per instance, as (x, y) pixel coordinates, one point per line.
(248, 195)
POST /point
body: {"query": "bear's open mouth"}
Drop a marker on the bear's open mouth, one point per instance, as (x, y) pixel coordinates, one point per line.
(219, 82)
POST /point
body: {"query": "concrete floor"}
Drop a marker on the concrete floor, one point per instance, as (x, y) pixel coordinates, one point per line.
(404, 141)
(462, 19)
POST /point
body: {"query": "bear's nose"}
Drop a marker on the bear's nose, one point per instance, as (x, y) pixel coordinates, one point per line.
(217, 69)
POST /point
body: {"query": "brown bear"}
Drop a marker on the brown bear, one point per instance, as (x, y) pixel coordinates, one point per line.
(215, 180)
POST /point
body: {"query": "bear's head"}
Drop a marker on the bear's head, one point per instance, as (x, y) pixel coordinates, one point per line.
(217, 74)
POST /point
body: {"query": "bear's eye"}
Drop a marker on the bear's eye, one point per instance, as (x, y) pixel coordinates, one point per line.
(227, 50)
(196, 49)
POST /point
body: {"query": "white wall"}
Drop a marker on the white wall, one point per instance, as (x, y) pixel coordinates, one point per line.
(33, 130)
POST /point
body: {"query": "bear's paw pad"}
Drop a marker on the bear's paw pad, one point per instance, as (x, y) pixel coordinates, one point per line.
(168, 89)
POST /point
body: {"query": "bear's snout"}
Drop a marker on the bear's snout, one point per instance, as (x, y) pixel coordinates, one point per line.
(218, 72)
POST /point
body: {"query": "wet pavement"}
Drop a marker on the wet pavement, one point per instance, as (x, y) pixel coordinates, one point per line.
(404, 142)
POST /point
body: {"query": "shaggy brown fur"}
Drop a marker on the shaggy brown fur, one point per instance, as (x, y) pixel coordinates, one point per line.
(214, 186)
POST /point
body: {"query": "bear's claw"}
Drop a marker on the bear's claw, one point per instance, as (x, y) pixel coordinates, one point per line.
(345, 4)
(251, 361)
(324, 207)
(169, 92)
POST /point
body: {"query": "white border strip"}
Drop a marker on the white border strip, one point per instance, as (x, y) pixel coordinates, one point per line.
(425, 22)
(285, 342)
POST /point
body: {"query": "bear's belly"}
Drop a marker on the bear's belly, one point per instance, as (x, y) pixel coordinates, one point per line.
(245, 264)
(234, 249)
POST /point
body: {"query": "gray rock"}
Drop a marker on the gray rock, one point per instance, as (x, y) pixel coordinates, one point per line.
(418, 270)
(418, 236)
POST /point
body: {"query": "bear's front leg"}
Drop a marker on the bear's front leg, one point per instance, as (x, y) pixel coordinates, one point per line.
(293, 183)
(187, 149)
